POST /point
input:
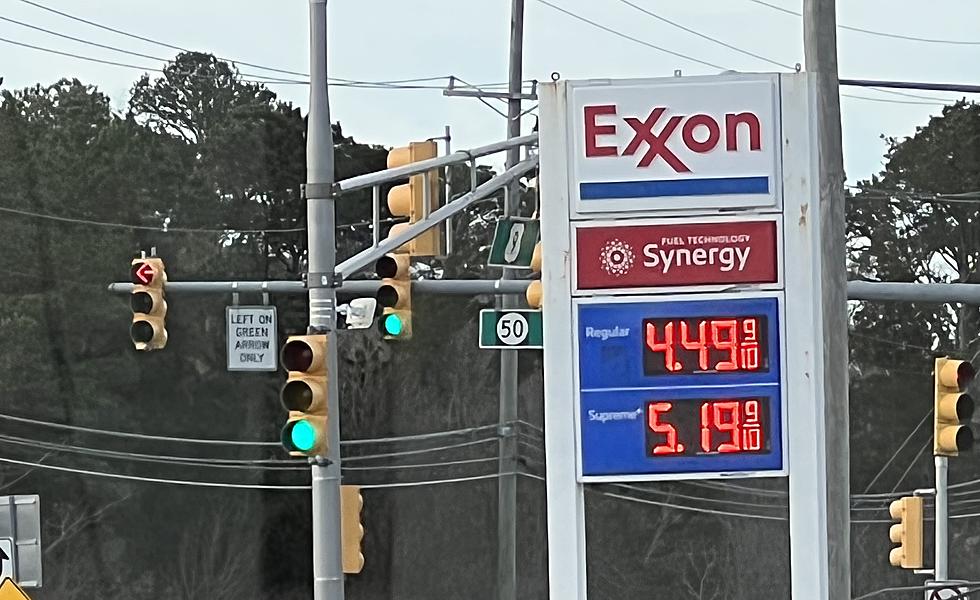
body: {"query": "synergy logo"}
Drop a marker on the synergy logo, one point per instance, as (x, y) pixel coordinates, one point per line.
(616, 257)
(724, 258)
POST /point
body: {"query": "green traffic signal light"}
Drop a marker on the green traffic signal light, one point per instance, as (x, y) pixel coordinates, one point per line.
(303, 436)
(393, 325)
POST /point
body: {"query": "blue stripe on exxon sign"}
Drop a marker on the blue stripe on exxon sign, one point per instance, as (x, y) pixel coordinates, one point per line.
(674, 187)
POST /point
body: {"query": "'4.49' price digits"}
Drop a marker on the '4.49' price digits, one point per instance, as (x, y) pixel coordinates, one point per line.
(705, 345)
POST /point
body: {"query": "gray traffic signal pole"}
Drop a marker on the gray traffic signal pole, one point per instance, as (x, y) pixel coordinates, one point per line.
(328, 575)
(508, 408)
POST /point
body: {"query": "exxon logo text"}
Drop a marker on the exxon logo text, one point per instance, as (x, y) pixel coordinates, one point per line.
(700, 133)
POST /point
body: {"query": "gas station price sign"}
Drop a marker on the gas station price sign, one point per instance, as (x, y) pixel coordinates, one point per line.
(680, 387)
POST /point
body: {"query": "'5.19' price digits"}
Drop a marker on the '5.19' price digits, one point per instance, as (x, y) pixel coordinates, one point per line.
(721, 426)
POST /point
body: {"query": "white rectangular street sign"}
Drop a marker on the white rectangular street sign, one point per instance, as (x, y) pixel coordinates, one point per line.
(20, 539)
(252, 338)
(6, 558)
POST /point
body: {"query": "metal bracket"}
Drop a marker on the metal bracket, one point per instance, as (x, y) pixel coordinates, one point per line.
(320, 461)
(317, 190)
(324, 280)
(265, 293)
(506, 431)
(235, 296)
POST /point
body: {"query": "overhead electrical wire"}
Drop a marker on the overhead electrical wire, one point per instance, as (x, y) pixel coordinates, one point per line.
(901, 446)
(187, 440)
(214, 484)
(623, 35)
(336, 81)
(184, 482)
(872, 31)
(159, 229)
(706, 37)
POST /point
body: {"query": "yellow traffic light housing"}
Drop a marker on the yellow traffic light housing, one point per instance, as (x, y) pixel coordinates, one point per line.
(907, 533)
(952, 408)
(534, 294)
(409, 200)
(304, 395)
(395, 296)
(351, 529)
(148, 330)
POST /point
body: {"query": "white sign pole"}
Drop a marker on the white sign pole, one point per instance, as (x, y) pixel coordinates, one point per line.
(566, 504)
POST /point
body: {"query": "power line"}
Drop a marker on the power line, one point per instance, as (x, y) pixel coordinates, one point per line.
(707, 37)
(623, 35)
(131, 66)
(688, 508)
(912, 464)
(184, 440)
(419, 451)
(185, 482)
(140, 436)
(376, 486)
(893, 101)
(874, 32)
(160, 229)
(908, 438)
(219, 463)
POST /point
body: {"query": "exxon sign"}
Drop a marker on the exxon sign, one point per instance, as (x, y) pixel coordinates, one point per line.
(664, 146)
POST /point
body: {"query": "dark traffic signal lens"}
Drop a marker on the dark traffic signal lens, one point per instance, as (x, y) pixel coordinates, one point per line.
(296, 395)
(297, 356)
(141, 331)
(141, 302)
(386, 266)
(387, 296)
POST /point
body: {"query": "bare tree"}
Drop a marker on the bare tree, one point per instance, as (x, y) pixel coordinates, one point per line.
(214, 563)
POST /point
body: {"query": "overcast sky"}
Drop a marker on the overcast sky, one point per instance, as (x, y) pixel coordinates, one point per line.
(397, 39)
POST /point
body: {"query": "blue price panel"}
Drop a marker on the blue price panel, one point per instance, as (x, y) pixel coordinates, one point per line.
(678, 387)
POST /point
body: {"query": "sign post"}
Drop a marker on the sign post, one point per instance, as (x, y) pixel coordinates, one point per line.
(681, 275)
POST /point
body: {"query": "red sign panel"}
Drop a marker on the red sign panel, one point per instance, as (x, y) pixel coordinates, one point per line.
(680, 254)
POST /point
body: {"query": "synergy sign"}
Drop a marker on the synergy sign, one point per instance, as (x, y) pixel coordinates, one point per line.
(672, 254)
(638, 148)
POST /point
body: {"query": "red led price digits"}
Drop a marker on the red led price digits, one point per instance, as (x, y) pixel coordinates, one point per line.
(738, 422)
(705, 345)
(670, 445)
(667, 346)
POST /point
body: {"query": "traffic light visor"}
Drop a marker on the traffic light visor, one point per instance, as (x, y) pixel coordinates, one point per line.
(957, 373)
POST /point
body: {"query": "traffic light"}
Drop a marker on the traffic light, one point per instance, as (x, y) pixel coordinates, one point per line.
(305, 395)
(148, 329)
(907, 533)
(395, 296)
(952, 407)
(534, 294)
(408, 200)
(351, 529)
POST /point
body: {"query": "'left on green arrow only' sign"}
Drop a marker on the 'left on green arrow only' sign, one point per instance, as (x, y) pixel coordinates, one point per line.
(511, 329)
